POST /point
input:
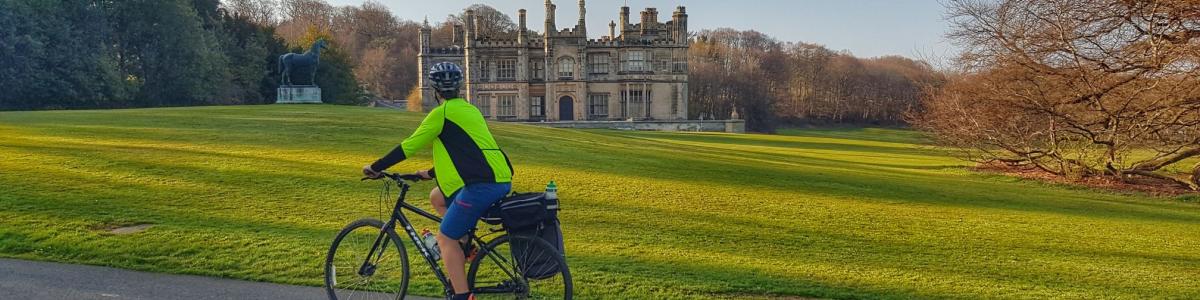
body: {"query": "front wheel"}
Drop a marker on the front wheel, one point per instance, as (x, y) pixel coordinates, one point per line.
(361, 264)
(536, 270)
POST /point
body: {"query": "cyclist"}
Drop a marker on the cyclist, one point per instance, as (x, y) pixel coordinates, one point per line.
(469, 165)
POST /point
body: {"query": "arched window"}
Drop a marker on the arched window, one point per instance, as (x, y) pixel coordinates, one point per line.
(566, 67)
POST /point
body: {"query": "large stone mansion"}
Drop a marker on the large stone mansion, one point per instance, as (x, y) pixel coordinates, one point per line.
(638, 71)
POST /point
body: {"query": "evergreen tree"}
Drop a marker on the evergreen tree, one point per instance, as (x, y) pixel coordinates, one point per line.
(54, 54)
(167, 53)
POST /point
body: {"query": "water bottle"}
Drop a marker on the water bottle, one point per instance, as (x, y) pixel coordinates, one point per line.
(552, 191)
(431, 244)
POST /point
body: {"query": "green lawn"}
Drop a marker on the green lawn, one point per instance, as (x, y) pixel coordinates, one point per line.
(258, 192)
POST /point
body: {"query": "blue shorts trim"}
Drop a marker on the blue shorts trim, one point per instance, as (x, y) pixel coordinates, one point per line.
(468, 204)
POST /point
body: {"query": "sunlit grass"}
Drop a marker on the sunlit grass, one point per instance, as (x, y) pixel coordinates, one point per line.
(258, 193)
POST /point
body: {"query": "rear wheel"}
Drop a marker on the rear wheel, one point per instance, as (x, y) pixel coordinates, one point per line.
(498, 272)
(353, 270)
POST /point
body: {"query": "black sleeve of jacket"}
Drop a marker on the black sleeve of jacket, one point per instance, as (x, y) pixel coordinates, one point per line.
(389, 160)
(431, 174)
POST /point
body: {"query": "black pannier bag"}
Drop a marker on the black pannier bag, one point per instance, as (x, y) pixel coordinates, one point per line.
(532, 214)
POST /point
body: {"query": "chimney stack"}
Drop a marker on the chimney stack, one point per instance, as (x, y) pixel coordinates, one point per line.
(645, 26)
(679, 18)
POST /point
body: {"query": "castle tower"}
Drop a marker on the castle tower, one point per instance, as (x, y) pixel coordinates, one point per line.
(624, 21)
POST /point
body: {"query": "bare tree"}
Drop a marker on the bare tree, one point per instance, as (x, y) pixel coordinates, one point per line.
(1077, 88)
(261, 12)
(492, 23)
(301, 15)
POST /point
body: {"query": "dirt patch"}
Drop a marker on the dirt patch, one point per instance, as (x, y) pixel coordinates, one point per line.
(123, 229)
(130, 229)
(1159, 188)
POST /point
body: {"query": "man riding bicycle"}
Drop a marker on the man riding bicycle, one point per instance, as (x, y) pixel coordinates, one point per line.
(468, 164)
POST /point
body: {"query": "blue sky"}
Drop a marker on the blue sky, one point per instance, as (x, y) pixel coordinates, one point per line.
(867, 28)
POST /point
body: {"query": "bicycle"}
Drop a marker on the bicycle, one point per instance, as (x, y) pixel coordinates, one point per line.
(355, 264)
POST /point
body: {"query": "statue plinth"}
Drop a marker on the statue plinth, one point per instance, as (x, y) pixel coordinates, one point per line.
(298, 94)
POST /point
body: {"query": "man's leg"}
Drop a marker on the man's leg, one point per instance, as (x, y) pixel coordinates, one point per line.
(466, 206)
(438, 201)
(454, 260)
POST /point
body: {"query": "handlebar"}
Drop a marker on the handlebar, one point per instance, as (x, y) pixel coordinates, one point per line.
(396, 177)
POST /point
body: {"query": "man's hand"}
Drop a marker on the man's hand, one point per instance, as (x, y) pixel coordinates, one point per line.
(424, 174)
(367, 171)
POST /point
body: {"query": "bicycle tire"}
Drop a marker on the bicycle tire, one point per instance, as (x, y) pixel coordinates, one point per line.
(373, 228)
(537, 244)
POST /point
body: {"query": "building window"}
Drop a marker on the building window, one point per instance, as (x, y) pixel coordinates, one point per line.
(598, 63)
(485, 71)
(537, 69)
(566, 68)
(679, 64)
(506, 70)
(484, 103)
(537, 107)
(507, 106)
(597, 106)
(634, 102)
(635, 61)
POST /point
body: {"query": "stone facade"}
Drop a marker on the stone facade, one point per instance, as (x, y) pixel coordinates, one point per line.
(636, 72)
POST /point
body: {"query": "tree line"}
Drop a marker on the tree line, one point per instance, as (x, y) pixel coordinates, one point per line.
(772, 83)
(64, 54)
(1078, 89)
(141, 53)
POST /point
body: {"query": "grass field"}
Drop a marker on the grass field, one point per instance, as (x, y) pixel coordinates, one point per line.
(258, 192)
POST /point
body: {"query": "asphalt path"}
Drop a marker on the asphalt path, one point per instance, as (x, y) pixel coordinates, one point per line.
(32, 280)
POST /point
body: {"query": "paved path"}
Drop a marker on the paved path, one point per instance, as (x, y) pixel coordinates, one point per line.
(21, 279)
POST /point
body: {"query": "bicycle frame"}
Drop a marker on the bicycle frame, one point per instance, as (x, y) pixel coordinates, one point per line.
(399, 217)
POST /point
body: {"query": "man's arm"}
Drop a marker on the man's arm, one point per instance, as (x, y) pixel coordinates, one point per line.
(429, 130)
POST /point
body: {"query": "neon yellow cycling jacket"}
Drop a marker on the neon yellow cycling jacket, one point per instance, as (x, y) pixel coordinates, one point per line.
(464, 151)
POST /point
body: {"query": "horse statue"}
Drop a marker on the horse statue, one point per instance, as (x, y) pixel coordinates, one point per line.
(290, 61)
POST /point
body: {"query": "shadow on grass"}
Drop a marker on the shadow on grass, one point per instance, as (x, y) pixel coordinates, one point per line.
(868, 181)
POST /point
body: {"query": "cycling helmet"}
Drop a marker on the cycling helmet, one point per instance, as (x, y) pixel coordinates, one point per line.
(445, 78)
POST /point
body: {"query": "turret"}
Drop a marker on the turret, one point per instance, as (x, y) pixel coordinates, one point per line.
(522, 31)
(612, 30)
(426, 35)
(679, 18)
(550, 27)
(457, 35)
(581, 28)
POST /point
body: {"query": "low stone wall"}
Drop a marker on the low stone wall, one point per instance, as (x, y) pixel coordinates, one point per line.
(734, 126)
